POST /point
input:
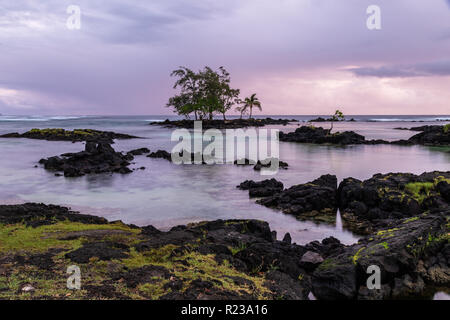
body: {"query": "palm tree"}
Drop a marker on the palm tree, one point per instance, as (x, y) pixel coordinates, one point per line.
(251, 102)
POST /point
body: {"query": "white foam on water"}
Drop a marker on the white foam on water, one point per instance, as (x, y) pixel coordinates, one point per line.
(427, 119)
(339, 226)
(155, 120)
(39, 118)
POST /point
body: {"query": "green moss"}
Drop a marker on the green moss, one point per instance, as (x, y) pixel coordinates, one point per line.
(385, 245)
(236, 250)
(411, 219)
(446, 128)
(153, 290)
(417, 249)
(200, 266)
(48, 131)
(46, 284)
(391, 194)
(82, 132)
(186, 264)
(62, 132)
(387, 233)
(20, 237)
(441, 178)
(420, 190)
(357, 255)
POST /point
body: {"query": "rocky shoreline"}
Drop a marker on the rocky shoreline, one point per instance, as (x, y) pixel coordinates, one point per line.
(404, 217)
(223, 124)
(233, 259)
(366, 206)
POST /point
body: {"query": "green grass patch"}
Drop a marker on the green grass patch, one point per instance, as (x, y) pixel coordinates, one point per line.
(420, 190)
(203, 267)
(446, 128)
(20, 237)
(411, 219)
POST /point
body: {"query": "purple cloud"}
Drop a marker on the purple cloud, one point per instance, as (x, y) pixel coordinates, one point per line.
(120, 60)
(440, 68)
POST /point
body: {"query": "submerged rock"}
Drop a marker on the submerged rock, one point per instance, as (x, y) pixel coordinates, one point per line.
(139, 152)
(162, 154)
(259, 165)
(267, 163)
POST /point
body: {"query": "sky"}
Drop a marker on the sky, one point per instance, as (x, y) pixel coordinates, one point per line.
(298, 56)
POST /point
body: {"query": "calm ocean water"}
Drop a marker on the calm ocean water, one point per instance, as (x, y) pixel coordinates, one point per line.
(165, 195)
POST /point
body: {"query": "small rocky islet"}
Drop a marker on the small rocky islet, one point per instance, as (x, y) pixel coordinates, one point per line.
(429, 136)
(98, 157)
(76, 135)
(223, 124)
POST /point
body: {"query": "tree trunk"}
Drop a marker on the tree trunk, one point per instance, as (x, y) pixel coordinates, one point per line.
(250, 113)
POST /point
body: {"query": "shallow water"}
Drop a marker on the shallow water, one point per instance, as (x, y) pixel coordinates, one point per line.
(166, 195)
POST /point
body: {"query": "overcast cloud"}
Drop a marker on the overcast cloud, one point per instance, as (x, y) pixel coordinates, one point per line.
(299, 56)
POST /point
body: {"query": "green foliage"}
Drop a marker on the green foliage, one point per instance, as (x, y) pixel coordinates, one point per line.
(411, 219)
(447, 128)
(385, 245)
(357, 255)
(338, 116)
(236, 250)
(420, 190)
(387, 233)
(203, 93)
